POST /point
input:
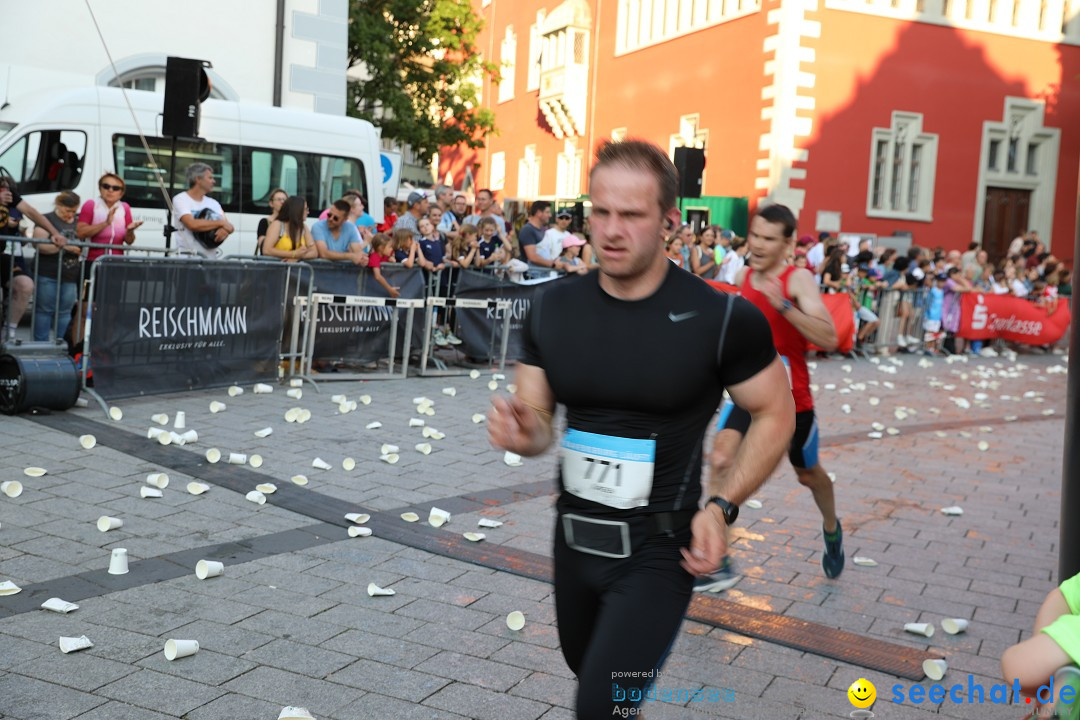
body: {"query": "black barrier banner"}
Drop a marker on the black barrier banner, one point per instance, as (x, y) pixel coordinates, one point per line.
(361, 333)
(481, 329)
(175, 324)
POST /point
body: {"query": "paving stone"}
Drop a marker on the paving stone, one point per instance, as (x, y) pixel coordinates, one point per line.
(205, 667)
(482, 704)
(389, 680)
(286, 688)
(474, 671)
(234, 705)
(158, 691)
(547, 689)
(430, 611)
(22, 698)
(297, 657)
(374, 705)
(291, 627)
(394, 651)
(80, 671)
(121, 711)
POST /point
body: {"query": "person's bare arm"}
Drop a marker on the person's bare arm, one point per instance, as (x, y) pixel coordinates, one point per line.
(391, 291)
(521, 423)
(194, 225)
(272, 234)
(1033, 662)
(533, 257)
(697, 263)
(28, 210)
(41, 233)
(325, 253)
(808, 313)
(1053, 607)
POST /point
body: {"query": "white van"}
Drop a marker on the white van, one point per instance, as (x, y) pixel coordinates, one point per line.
(66, 140)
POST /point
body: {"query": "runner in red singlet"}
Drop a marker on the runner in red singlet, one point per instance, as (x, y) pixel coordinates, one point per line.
(790, 300)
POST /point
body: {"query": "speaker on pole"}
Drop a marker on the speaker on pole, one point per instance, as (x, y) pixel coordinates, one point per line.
(186, 86)
(690, 162)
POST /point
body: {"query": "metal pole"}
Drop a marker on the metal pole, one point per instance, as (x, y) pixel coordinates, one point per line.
(1069, 562)
(168, 229)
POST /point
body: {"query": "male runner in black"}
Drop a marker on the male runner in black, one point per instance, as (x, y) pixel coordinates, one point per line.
(639, 353)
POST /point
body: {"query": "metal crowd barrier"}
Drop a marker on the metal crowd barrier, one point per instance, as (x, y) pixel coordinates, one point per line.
(900, 312)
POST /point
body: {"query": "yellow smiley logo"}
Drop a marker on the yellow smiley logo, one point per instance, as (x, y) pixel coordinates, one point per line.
(862, 693)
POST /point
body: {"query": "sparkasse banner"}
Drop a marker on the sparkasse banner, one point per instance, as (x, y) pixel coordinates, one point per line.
(986, 317)
(165, 325)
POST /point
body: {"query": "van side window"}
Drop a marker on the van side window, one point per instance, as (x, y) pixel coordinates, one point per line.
(143, 190)
(45, 161)
(320, 179)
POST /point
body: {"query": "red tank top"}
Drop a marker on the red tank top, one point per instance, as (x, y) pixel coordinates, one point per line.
(789, 342)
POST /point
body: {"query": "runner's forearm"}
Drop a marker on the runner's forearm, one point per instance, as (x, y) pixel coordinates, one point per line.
(759, 453)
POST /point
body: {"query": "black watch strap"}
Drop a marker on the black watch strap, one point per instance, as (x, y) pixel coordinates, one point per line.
(731, 511)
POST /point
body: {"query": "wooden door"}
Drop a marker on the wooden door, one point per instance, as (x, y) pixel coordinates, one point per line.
(1005, 216)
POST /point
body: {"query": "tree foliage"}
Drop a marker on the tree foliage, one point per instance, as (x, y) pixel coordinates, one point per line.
(422, 71)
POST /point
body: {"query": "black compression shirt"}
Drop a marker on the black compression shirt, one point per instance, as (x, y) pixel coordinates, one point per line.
(651, 368)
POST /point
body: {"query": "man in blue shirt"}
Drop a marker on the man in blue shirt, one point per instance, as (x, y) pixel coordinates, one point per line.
(337, 239)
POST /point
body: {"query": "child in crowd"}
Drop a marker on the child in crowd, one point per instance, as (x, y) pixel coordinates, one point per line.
(1054, 646)
(382, 251)
(431, 246)
(932, 318)
(405, 248)
(489, 249)
(570, 260)
(465, 247)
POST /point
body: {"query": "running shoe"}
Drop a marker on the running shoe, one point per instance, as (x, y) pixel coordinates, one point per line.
(721, 580)
(832, 562)
(452, 338)
(440, 338)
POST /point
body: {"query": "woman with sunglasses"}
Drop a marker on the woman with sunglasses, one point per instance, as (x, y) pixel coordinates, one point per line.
(107, 219)
(288, 238)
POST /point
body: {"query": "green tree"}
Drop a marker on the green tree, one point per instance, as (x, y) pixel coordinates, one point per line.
(422, 70)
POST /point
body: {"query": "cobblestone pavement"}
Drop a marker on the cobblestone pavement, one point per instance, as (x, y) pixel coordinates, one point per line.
(290, 623)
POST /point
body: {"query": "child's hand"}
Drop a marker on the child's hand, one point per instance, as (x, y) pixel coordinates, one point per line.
(395, 292)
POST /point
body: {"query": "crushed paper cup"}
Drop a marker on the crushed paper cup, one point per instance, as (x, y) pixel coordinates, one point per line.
(874, 435)
(72, 644)
(416, 422)
(338, 399)
(348, 464)
(82, 402)
(832, 477)
(34, 472)
(864, 561)
(106, 523)
(358, 531)
(358, 518)
(423, 448)
(295, 713)
(515, 620)
(954, 626)
(262, 388)
(255, 461)
(753, 504)
(265, 432)
(952, 510)
(116, 413)
(877, 426)
(9, 588)
(390, 458)
(57, 605)
(437, 517)
(512, 459)
(299, 480)
(373, 590)
(197, 488)
(924, 629)
(486, 523)
(296, 382)
(118, 562)
(292, 414)
(387, 449)
(304, 416)
(935, 668)
(511, 388)
(891, 431)
(422, 400)
(159, 480)
(874, 401)
(216, 406)
(984, 446)
(474, 374)
(237, 459)
(87, 441)
(365, 399)
(180, 648)
(435, 434)
(295, 393)
(266, 488)
(256, 497)
(11, 488)
(235, 390)
(208, 568)
(478, 418)
(449, 391)
(374, 425)
(846, 409)
(410, 517)
(320, 464)
(474, 536)
(493, 386)
(146, 492)
(498, 376)
(213, 455)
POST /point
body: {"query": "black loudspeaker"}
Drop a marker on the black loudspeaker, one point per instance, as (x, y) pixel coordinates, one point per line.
(690, 162)
(186, 86)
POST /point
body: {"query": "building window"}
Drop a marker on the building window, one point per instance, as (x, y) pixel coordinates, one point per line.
(641, 23)
(1032, 159)
(529, 174)
(1014, 146)
(497, 181)
(903, 163)
(568, 171)
(536, 45)
(508, 63)
(995, 151)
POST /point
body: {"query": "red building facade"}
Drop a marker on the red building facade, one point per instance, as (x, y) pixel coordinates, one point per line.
(954, 120)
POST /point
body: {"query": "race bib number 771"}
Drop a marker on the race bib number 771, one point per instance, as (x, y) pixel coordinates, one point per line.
(613, 471)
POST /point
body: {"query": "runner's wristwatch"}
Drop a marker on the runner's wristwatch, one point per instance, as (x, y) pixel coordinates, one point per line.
(731, 511)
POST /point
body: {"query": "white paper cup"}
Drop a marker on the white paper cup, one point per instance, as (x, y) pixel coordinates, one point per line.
(474, 374)
(153, 432)
(374, 590)
(255, 461)
(296, 382)
(390, 458)
(358, 518)
(180, 423)
(189, 436)
(474, 536)
(82, 402)
(348, 464)
(320, 464)
(256, 497)
(57, 605)
(493, 386)
(295, 713)
(478, 418)
(235, 390)
(292, 414)
(416, 422)
(11, 488)
(304, 416)
(365, 399)
(238, 459)
(299, 480)
(388, 449)
(498, 376)
(208, 569)
(150, 492)
(263, 388)
(118, 562)
(180, 648)
(87, 441)
(265, 432)
(515, 620)
(295, 393)
(175, 437)
(106, 523)
(71, 644)
(954, 626)
(449, 391)
(197, 488)
(116, 414)
(924, 629)
(429, 411)
(159, 480)
(267, 488)
(935, 668)
(9, 588)
(213, 455)
(359, 531)
(487, 523)
(166, 438)
(216, 406)
(512, 459)
(409, 516)
(374, 425)
(34, 472)
(423, 448)
(338, 399)
(437, 517)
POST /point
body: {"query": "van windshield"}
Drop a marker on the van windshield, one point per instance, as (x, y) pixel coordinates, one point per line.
(45, 161)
